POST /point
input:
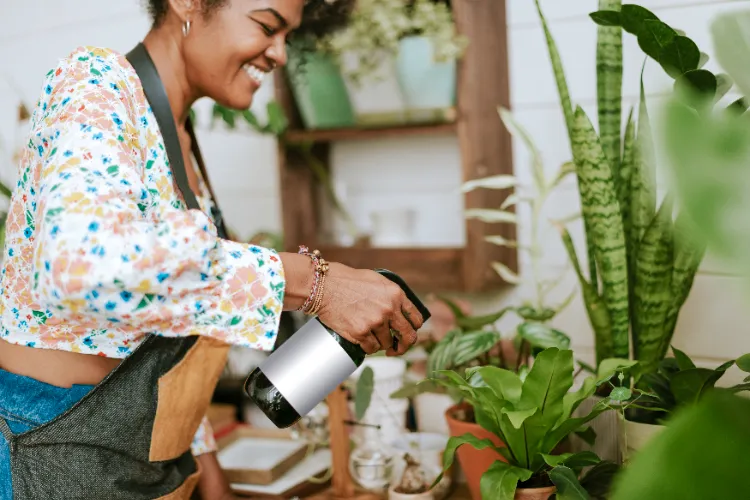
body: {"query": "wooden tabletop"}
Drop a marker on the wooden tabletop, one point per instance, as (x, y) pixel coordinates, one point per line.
(459, 492)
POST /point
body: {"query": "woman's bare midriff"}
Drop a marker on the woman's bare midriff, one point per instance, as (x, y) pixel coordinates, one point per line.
(59, 368)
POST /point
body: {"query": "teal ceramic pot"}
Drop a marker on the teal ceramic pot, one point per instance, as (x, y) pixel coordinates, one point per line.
(425, 83)
(319, 91)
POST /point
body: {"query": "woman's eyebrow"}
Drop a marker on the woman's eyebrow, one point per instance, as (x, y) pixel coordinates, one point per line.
(275, 13)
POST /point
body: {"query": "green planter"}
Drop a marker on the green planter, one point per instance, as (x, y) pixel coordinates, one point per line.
(320, 92)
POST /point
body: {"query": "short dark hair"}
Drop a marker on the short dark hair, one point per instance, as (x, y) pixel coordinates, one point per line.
(320, 17)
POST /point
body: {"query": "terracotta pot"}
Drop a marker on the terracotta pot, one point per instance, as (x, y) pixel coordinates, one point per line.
(534, 493)
(473, 462)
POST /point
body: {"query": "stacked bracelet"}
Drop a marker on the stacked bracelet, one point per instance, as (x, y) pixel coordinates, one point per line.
(313, 303)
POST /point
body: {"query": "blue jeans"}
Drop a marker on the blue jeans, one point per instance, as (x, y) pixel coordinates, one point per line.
(26, 403)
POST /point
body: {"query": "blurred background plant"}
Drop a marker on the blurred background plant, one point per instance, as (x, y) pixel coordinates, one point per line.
(377, 27)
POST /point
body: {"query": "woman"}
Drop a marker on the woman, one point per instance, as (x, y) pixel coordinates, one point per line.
(118, 304)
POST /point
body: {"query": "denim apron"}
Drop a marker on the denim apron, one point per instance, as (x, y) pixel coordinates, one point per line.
(128, 437)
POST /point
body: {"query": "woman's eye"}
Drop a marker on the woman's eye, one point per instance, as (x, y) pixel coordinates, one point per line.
(267, 29)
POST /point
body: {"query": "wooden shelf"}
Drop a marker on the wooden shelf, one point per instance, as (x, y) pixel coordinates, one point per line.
(425, 269)
(485, 148)
(360, 134)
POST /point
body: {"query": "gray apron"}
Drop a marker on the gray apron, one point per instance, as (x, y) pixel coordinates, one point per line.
(130, 437)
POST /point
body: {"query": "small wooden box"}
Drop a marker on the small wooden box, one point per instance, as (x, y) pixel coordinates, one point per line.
(250, 455)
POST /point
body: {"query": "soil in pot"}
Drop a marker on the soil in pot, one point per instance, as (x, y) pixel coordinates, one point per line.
(473, 462)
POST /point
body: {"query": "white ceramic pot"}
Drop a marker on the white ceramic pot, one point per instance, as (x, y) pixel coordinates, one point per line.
(430, 409)
(634, 436)
(395, 495)
(388, 374)
(607, 428)
(391, 418)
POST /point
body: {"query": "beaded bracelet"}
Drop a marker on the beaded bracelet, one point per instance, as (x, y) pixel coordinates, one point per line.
(314, 301)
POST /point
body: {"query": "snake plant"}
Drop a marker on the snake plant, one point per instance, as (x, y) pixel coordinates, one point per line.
(641, 262)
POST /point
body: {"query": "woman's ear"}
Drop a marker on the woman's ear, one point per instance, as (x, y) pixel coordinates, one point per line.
(185, 10)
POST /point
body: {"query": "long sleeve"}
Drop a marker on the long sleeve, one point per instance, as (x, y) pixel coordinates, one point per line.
(109, 249)
(204, 441)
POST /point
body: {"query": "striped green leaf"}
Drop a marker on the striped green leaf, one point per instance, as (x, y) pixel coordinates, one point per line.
(609, 85)
(652, 296)
(557, 67)
(688, 254)
(601, 210)
(642, 180)
(595, 306)
(626, 172)
(470, 346)
(443, 353)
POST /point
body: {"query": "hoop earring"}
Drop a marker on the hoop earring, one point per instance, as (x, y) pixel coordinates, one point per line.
(186, 28)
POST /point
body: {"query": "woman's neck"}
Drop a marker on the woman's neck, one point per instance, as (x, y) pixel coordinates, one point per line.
(166, 53)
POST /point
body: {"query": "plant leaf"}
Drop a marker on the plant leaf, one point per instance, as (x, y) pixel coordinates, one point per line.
(453, 444)
(683, 360)
(743, 363)
(573, 460)
(697, 80)
(723, 86)
(606, 18)
(501, 480)
(679, 56)
(601, 211)
(470, 346)
(609, 87)
(505, 273)
(492, 182)
(688, 386)
(549, 380)
(363, 392)
(634, 18)
(500, 241)
(504, 383)
(478, 322)
(568, 487)
(543, 336)
(516, 130)
(598, 480)
(654, 37)
(588, 435)
(732, 46)
(490, 215)
(620, 394)
(510, 201)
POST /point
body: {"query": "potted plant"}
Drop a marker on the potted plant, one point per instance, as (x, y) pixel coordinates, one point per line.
(531, 415)
(313, 74)
(387, 52)
(641, 260)
(677, 383)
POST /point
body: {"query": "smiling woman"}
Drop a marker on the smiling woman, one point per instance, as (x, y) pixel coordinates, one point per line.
(121, 291)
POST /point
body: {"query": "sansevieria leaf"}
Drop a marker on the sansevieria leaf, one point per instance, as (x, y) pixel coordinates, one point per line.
(602, 212)
(595, 306)
(516, 130)
(505, 273)
(653, 290)
(609, 86)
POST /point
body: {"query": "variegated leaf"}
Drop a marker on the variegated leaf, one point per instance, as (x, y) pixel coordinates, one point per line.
(470, 346)
(595, 306)
(505, 273)
(601, 210)
(492, 182)
(653, 287)
(566, 169)
(519, 132)
(609, 86)
(491, 216)
(510, 201)
(501, 242)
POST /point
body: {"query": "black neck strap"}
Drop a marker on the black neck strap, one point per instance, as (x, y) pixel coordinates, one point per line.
(154, 90)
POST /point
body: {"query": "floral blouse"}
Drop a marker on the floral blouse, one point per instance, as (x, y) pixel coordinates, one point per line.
(100, 250)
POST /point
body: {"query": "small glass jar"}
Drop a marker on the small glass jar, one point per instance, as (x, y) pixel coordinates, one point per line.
(371, 467)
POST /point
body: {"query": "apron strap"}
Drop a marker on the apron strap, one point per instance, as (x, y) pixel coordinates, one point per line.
(156, 95)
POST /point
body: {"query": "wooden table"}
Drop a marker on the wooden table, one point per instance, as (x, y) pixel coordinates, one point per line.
(459, 492)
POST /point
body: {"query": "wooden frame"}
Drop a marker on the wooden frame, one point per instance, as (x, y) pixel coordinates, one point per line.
(486, 150)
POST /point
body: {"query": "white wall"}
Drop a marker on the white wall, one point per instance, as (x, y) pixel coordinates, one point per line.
(34, 33)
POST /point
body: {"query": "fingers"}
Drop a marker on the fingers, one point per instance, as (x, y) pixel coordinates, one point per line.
(407, 335)
(369, 343)
(383, 335)
(412, 314)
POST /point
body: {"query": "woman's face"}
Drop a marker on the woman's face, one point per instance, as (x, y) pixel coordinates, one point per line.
(229, 53)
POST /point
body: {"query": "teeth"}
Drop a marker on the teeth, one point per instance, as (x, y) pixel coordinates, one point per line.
(255, 73)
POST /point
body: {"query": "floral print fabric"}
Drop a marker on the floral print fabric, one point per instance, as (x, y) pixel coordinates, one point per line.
(100, 249)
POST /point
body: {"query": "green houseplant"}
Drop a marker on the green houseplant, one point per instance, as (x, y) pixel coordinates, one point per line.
(531, 415)
(388, 53)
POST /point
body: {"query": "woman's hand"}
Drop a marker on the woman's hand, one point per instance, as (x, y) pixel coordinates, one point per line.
(369, 309)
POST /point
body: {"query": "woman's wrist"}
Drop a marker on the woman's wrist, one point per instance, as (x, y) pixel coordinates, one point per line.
(299, 274)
